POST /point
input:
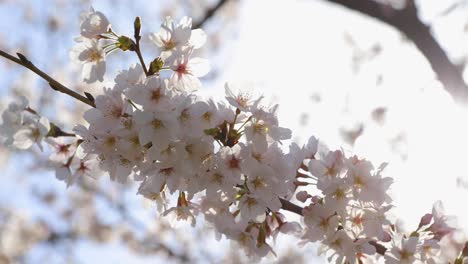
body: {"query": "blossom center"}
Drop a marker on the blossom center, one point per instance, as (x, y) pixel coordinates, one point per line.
(233, 163)
(156, 95)
(217, 178)
(157, 124)
(94, 56)
(207, 116)
(167, 171)
(182, 69)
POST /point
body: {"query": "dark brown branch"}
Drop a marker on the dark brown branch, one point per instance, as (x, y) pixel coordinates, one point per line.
(288, 206)
(23, 61)
(209, 13)
(378, 247)
(407, 21)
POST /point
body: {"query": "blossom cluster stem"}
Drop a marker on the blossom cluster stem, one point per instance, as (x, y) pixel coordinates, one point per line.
(137, 28)
(54, 84)
(140, 57)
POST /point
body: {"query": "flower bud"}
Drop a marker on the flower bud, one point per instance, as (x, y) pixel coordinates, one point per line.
(156, 65)
(425, 220)
(125, 43)
(137, 26)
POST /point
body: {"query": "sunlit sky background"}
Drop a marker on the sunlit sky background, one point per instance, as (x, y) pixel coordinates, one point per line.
(296, 53)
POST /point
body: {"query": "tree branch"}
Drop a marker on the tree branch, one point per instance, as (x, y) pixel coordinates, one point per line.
(23, 61)
(288, 206)
(407, 21)
(209, 13)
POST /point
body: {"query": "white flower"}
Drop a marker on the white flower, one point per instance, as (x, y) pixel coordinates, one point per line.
(63, 149)
(310, 150)
(343, 248)
(173, 36)
(110, 109)
(216, 181)
(159, 128)
(88, 166)
(263, 129)
(187, 70)
(241, 99)
(93, 24)
(32, 131)
(430, 251)
(262, 183)
(63, 173)
(11, 123)
(320, 222)
(70, 170)
(374, 220)
(328, 169)
(91, 55)
(153, 95)
(204, 115)
(337, 195)
(127, 79)
(199, 153)
(216, 210)
(118, 167)
(442, 223)
(252, 208)
(229, 162)
(403, 252)
(183, 212)
(151, 187)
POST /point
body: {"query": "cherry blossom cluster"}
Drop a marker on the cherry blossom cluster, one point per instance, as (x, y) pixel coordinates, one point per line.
(224, 160)
(350, 214)
(22, 127)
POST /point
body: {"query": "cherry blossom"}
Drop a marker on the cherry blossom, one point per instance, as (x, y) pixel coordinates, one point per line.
(187, 70)
(93, 24)
(90, 54)
(172, 37)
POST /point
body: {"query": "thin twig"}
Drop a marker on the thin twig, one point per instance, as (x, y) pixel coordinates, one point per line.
(56, 131)
(209, 13)
(23, 61)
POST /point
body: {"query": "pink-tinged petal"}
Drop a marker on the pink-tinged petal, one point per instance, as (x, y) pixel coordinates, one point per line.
(44, 126)
(92, 115)
(291, 228)
(317, 168)
(197, 39)
(145, 135)
(22, 139)
(198, 66)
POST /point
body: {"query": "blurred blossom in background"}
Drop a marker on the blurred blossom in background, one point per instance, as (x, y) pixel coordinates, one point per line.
(352, 81)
